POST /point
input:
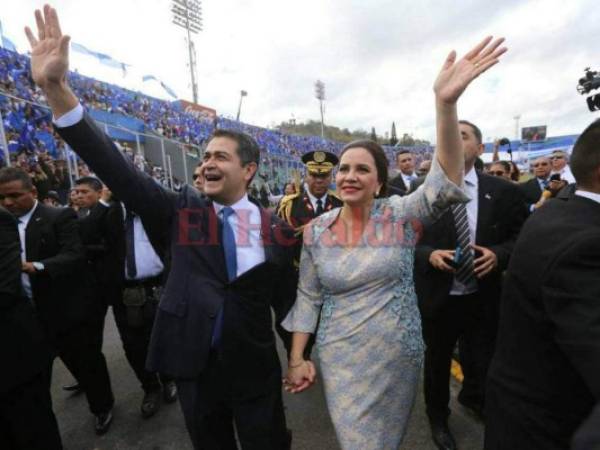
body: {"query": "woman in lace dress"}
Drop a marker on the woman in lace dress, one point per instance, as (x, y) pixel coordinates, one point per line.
(356, 277)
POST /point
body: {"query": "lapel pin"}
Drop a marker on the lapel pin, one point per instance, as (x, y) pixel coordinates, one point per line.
(488, 196)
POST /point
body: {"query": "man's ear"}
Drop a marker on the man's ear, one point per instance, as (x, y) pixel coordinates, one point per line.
(250, 170)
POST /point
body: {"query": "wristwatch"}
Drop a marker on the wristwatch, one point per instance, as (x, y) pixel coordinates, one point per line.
(38, 266)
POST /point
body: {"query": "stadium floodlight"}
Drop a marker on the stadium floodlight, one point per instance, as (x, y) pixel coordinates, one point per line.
(320, 95)
(242, 95)
(187, 14)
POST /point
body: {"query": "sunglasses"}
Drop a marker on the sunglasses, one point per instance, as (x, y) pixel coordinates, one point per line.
(540, 165)
(557, 157)
(497, 173)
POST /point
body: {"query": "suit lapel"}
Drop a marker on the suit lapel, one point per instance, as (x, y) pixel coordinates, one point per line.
(485, 196)
(204, 235)
(33, 234)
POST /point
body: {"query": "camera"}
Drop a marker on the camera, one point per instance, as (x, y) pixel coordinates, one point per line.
(588, 83)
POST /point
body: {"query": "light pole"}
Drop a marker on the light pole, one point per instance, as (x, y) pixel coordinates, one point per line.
(187, 14)
(517, 117)
(242, 95)
(320, 95)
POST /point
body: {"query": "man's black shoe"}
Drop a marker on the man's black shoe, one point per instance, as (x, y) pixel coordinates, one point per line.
(103, 422)
(150, 404)
(442, 437)
(169, 392)
(75, 388)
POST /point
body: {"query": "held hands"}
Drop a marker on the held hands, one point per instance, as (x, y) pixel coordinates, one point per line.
(300, 377)
(455, 76)
(49, 51)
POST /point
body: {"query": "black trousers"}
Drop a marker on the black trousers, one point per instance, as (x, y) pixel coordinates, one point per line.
(80, 349)
(210, 410)
(461, 317)
(26, 418)
(136, 338)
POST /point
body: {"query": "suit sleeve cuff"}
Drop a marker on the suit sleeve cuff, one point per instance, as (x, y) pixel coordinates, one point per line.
(70, 118)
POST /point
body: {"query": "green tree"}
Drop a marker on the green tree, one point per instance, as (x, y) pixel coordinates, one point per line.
(393, 137)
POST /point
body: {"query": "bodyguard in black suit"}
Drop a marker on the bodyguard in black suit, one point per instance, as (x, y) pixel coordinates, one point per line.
(56, 278)
(108, 233)
(463, 301)
(405, 163)
(26, 418)
(544, 379)
(230, 262)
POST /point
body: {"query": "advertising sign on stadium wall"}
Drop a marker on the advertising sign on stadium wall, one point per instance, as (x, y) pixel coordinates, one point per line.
(195, 108)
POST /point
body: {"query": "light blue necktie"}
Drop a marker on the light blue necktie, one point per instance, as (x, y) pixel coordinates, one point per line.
(228, 240)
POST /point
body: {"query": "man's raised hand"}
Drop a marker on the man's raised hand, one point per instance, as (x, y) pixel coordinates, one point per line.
(49, 51)
(50, 61)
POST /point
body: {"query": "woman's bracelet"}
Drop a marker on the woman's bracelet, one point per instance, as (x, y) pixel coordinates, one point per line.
(297, 365)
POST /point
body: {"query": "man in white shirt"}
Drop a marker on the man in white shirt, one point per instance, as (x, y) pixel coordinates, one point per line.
(458, 277)
(405, 164)
(213, 328)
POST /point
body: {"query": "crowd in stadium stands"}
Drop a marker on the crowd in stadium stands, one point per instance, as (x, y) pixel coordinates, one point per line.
(29, 127)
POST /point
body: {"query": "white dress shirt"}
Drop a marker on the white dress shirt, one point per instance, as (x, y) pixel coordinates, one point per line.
(147, 262)
(23, 222)
(587, 194)
(313, 199)
(472, 190)
(407, 179)
(70, 118)
(246, 224)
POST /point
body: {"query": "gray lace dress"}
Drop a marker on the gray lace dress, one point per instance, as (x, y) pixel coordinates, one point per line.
(369, 338)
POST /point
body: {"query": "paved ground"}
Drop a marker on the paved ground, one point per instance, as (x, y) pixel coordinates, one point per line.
(307, 416)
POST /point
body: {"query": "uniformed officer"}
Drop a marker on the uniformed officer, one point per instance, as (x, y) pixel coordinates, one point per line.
(312, 200)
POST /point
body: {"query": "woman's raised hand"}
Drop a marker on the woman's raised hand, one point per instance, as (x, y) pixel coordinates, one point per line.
(455, 75)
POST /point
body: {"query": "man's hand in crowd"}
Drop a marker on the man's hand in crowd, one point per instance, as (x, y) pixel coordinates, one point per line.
(485, 263)
(29, 268)
(441, 259)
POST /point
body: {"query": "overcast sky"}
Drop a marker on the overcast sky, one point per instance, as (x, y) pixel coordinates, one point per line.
(378, 58)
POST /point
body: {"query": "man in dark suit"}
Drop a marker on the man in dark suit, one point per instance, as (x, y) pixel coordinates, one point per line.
(459, 294)
(26, 418)
(534, 187)
(587, 436)
(57, 280)
(104, 232)
(230, 261)
(405, 163)
(545, 375)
